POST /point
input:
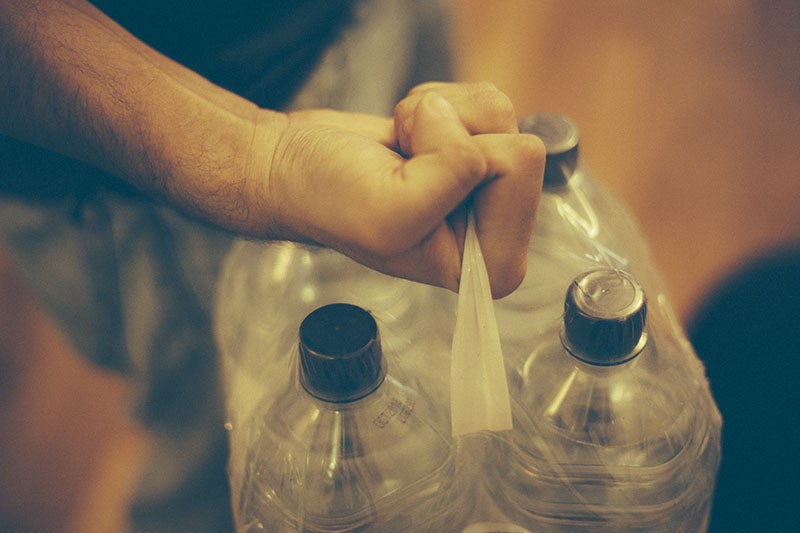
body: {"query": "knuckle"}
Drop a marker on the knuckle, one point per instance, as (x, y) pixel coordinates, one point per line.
(502, 109)
(530, 149)
(531, 159)
(405, 108)
(495, 108)
(485, 86)
(469, 159)
(424, 87)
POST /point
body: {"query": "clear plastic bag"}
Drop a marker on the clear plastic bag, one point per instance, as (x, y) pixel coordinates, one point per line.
(630, 446)
(478, 387)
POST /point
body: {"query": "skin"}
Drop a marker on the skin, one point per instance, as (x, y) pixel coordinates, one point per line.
(388, 192)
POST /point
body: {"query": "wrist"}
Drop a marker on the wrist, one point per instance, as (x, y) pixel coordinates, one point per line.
(257, 208)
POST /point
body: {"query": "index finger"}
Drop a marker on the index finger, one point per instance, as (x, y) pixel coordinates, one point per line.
(481, 107)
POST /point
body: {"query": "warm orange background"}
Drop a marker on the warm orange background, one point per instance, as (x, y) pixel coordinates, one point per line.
(689, 110)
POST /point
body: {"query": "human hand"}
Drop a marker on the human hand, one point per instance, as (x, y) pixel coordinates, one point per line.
(390, 193)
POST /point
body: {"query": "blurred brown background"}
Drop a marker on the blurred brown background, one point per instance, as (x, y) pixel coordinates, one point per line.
(689, 111)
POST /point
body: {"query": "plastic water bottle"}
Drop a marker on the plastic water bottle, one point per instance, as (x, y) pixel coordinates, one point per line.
(580, 226)
(350, 445)
(584, 217)
(614, 430)
(267, 289)
(569, 237)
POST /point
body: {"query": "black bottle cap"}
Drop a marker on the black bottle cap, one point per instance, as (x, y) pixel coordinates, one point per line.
(560, 137)
(604, 317)
(340, 353)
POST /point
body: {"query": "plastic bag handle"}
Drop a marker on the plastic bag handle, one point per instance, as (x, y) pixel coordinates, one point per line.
(479, 399)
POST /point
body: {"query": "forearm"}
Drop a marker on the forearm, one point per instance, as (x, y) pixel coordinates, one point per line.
(380, 190)
(73, 81)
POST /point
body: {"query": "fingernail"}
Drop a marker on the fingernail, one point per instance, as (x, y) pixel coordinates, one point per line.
(439, 106)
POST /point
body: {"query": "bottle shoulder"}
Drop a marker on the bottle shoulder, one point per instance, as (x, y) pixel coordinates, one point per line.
(645, 406)
(347, 460)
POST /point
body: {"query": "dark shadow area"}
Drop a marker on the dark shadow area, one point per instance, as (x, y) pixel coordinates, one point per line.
(748, 335)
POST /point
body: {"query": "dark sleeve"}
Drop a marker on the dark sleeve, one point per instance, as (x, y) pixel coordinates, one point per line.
(263, 50)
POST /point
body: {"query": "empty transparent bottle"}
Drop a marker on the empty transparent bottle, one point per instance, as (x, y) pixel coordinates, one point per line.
(350, 445)
(613, 430)
(579, 226)
(267, 289)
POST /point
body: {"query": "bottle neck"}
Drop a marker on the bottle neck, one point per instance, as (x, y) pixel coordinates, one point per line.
(589, 363)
